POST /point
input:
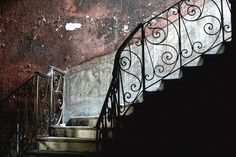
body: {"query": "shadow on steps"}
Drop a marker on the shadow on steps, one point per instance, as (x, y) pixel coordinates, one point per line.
(194, 116)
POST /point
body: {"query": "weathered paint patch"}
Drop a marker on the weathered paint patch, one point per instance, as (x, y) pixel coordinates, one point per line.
(33, 32)
(126, 28)
(72, 26)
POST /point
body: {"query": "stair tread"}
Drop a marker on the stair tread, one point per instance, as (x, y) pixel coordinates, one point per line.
(65, 139)
(75, 127)
(84, 117)
(58, 153)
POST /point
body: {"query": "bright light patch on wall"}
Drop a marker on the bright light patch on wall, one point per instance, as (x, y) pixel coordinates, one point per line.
(72, 26)
(126, 28)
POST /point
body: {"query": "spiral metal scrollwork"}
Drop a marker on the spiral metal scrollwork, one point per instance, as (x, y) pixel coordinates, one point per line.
(164, 44)
(130, 65)
(58, 80)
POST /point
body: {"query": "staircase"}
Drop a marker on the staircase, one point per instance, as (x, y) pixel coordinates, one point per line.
(155, 67)
(185, 119)
(76, 139)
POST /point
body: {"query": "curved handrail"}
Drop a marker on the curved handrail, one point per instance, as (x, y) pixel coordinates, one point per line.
(57, 69)
(117, 66)
(15, 91)
(121, 48)
(12, 93)
(102, 120)
(178, 17)
(37, 105)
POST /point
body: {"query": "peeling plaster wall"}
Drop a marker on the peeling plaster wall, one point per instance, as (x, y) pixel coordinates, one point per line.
(33, 33)
(88, 83)
(86, 86)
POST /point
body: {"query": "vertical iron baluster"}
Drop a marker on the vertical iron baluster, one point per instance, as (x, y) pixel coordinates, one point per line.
(143, 58)
(51, 99)
(222, 21)
(18, 153)
(232, 11)
(180, 46)
(112, 114)
(118, 100)
(118, 95)
(37, 103)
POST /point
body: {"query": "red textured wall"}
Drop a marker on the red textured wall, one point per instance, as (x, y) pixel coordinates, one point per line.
(33, 34)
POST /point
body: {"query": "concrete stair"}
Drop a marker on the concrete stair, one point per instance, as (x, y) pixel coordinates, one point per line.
(82, 121)
(88, 132)
(70, 144)
(61, 153)
(187, 119)
(77, 138)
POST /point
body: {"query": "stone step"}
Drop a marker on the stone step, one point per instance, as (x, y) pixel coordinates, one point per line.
(87, 132)
(36, 153)
(178, 74)
(196, 62)
(216, 50)
(83, 121)
(154, 85)
(127, 110)
(92, 121)
(200, 61)
(70, 144)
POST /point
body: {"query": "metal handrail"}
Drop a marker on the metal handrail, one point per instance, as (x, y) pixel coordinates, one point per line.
(38, 92)
(110, 115)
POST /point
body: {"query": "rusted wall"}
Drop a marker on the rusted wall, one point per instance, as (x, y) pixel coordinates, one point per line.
(33, 34)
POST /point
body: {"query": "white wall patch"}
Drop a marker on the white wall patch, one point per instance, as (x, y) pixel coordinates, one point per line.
(72, 26)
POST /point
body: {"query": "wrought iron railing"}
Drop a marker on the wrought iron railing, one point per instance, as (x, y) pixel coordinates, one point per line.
(158, 48)
(33, 107)
(112, 109)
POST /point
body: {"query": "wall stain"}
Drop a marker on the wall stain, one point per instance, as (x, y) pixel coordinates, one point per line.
(33, 35)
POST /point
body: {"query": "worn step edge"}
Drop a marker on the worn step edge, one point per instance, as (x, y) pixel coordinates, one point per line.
(65, 139)
(59, 153)
(74, 131)
(67, 144)
(84, 117)
(83, 121)
(74, 127)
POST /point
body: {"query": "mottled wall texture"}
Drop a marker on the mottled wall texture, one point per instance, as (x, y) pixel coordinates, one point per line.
(33, 33)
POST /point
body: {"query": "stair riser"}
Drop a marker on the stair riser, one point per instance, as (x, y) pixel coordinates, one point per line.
(129, 112)
(83, 122)
(78, 133)
(93, 121)
(67, 146)
(90, 122)
(175, 75)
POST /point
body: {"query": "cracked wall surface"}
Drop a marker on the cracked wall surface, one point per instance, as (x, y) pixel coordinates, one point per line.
(87, 84)
(33, 34)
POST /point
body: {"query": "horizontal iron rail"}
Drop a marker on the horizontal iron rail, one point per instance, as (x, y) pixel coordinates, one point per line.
(36, 73)
(121, 48)
(117, 67)
(42, 74)
(16, 90)
(57, 69)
